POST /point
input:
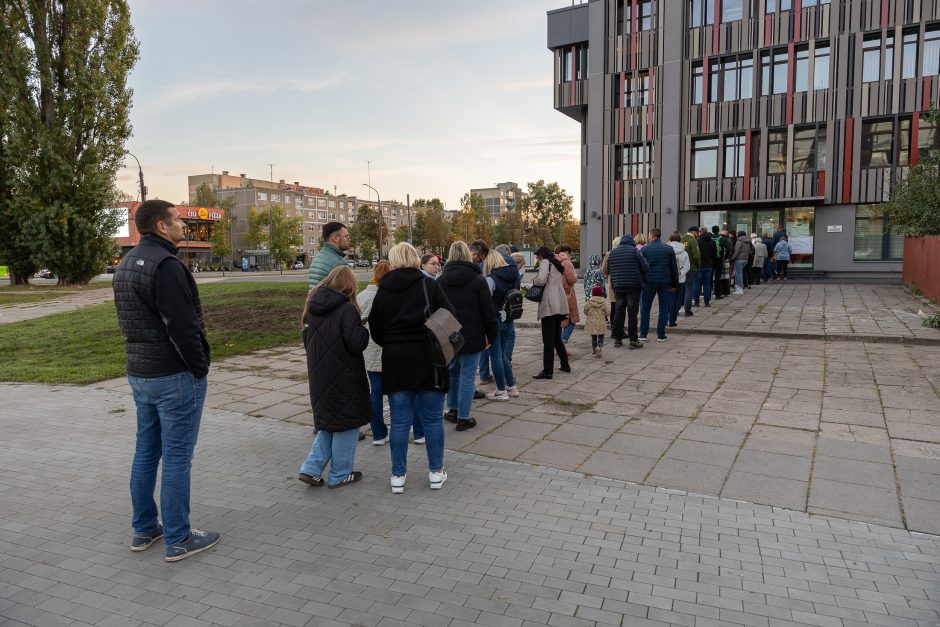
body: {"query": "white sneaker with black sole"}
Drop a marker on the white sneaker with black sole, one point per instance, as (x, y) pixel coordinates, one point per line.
(437, 479)
(398, 484)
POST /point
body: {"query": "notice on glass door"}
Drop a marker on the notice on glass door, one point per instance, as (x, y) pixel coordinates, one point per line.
(801, 244)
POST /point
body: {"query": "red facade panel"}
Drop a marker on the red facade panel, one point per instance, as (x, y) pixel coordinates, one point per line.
(847, 161)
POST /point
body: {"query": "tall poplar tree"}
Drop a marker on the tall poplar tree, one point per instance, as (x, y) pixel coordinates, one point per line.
(67, 123)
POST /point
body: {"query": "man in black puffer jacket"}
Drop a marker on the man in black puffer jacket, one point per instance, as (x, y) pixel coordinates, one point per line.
(167, 361)
(627, 269)
(467, 291)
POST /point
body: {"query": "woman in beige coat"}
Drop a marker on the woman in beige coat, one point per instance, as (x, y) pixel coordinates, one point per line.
(562, 254)
(552, 309)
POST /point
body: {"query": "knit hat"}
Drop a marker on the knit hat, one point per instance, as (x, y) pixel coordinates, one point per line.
(597, 290)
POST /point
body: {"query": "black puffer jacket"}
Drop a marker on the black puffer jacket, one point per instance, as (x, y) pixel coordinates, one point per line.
(335, 337)
(467, 291)
(626, 266)
(707, 249)
(397, 325)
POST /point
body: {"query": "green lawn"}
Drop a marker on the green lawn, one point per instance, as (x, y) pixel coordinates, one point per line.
(17, 294)
(85, 345)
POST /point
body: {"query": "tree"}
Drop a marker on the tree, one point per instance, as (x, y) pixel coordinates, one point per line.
(66, 121)
(914, 208)
(255, 235)
(545, 207)
(221, 234)
(509, 228)
(285, 234)
(571, 234)
(365, 229)
(436, 227)
(473, 219)
(401, 234)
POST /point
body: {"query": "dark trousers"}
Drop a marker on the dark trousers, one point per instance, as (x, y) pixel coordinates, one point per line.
(756, 275)
(716, 269)
(782, 268)
(684, 297)
(628, 307)
(597, 340)
(680, 297)
(551, 343)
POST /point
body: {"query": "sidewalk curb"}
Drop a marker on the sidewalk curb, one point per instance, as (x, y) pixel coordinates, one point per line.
(830, 337)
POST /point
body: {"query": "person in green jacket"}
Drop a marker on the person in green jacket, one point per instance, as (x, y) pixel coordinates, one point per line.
(691, 246)
(333, 253)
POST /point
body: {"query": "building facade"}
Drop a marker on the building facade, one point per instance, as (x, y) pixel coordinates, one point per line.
(750, 114)
(315, 205)
(195, 250)
(500, 199)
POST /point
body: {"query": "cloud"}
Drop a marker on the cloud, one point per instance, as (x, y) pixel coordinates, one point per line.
(182, 94)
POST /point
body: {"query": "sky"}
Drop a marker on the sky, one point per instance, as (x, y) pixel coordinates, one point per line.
(439, 96)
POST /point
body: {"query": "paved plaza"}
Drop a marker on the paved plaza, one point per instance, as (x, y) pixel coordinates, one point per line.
(719, 478)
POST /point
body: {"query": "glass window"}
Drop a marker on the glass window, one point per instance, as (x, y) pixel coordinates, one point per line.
(566, 65)
(732, 77)
(877, 144)
(802, 69)
(778, 5)
(581, 53)
(262, 195)
(821, 66)
(321, 202)
(904, 142)
(705, 158)
(889, 57)
(732, 10)
(701, 12)
(635, 162)
(697, 82)
(773, 72)
(332, 204)
(755, 153)
(636, 88)
(874, 238)
(928, 139)
(777, 151)
(909, 56)
(813, 3)
(809, 148)
(931, 60)
(871, 60)
(734, 155)
(646, 14)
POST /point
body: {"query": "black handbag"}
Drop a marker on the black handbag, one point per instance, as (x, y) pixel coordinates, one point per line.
(534, 293)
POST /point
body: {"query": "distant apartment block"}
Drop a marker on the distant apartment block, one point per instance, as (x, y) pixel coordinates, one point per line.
(748, 114)
(314, 204)
(500, 199)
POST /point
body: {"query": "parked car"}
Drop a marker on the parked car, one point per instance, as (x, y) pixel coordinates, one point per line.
(362, 263)
(351, 263)
(111, 269)
(45, 274)
(298, 265)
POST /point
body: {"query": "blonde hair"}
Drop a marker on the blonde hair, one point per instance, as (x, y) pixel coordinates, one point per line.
(616, 242)
(343, 280)
(519, 258)
(403, 255)
(459, 251)
(493, 260)
(640, 238)
(381, 269)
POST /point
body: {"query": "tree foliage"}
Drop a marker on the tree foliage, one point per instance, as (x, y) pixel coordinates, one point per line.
(255, 236)
(546, 204)
(434, 226)
(365, 228)
(571, 234)
(221, 234)
(473, 220)
(914, 208)
(285, 234)
(401, 234)
(65, 122)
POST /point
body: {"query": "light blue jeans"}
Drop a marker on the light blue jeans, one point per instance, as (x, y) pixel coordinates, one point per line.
(501, 354)
(463, 370)
(407, 407)
(169, 411)
(567, 331)
(739, 273)
(336, 448)
(379, 430)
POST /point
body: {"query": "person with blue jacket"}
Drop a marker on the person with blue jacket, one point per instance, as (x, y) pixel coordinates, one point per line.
(662, 281)
(782, 252)
(627, 269)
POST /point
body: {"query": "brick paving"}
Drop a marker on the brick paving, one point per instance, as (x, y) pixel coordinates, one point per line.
(502, 543)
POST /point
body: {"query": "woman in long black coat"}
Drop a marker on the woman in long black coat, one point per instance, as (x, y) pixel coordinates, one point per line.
(335, 338)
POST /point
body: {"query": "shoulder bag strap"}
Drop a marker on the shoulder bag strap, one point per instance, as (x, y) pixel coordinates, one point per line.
(427, 300)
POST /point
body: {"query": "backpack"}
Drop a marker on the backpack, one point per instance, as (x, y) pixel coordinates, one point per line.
(512, 304)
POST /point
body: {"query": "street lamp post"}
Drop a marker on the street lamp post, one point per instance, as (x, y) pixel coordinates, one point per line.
(378, 217)
(140, 172)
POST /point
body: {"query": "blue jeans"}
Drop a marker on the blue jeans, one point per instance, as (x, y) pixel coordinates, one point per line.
(677, 299)
(379, 430)
(684, 295)
(703, 280)
(567, 331)
(646, 304)
(411, 406)
(462, 372)
(338, 448)
(485, 364)
(169, 410)
(739, 265)
(501, 354)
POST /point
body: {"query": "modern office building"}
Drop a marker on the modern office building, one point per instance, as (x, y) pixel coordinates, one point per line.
(314, 204)
(748, 114)
(499, 199)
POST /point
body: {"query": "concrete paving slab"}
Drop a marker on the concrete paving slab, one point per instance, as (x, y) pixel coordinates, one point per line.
(766, 490)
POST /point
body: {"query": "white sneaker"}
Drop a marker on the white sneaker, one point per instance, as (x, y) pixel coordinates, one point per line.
(380, 442)
(436, 479)
(738, 292)
(420, 440)
(513, 391)
(498, 395)
(643, 339)
(398, 484)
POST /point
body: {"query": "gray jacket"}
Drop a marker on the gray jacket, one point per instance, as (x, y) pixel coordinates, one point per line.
(554, 301)
(373, 352)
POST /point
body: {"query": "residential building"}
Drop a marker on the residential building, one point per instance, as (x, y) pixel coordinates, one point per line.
(195, 250)
(315, 205)
(500, 199)
(750, 114)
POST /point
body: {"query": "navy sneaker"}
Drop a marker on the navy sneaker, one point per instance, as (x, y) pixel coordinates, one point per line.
(197, 542)
(142, 541)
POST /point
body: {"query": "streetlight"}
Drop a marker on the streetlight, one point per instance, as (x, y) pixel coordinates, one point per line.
(140, 172)
(379, 218)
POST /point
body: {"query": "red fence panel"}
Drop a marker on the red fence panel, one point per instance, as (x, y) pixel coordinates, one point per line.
(922, 265)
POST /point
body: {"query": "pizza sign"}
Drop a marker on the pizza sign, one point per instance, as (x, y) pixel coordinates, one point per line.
(203, 214)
